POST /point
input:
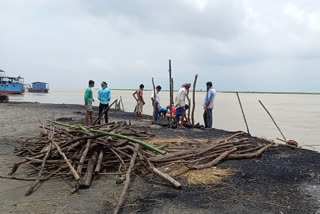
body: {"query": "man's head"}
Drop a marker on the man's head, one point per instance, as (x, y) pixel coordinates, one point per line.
(186, 106)
(104, 84)
(158, 88)
(91, 83)
(141, 86)
(187, 85)
(209, 85)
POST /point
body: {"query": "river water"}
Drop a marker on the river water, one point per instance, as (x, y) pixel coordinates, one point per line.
(298, 115)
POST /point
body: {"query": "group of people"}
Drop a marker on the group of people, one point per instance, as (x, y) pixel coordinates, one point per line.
(179, 108)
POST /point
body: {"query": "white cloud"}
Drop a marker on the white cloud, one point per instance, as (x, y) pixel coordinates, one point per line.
(128, 42)
(293, 11)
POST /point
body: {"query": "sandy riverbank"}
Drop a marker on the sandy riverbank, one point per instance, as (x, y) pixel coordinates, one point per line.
(283, 180)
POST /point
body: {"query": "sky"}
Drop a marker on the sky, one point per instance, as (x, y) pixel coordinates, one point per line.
(239, 45)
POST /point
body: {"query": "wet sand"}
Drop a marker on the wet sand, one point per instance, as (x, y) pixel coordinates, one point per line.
(283, 180)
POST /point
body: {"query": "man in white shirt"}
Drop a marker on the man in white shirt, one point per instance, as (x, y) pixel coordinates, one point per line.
(180, 103)
(156, 101)
(208, 105)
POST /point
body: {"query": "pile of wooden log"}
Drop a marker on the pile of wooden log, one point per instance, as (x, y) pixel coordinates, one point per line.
(118, 149)
(234, 147)
(4, 98)
(81, 153)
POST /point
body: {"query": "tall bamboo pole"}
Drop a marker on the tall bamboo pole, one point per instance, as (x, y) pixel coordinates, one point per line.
(273, 121)
(194, 98)
(189, 103)
(171, 92)
(121, 103)
(154, 102)
(244, 116)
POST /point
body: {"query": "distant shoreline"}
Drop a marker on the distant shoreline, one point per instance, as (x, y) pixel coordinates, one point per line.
(227, 92)
(243, 92)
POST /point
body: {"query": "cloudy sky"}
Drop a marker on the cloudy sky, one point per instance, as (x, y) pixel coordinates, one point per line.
(245, 45)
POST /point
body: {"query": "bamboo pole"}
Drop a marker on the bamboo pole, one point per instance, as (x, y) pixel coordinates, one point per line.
(121, 103)
(154, 102)
(171, 102)
(171, 92)
(189, 103)
(194, 98)
(273, 120)
(114, 135)
(244, 116)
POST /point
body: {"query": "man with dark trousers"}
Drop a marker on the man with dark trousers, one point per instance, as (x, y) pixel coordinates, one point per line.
(104, 95)
(208, 105)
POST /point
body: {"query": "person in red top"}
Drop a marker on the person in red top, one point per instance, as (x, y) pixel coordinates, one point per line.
(174, 110)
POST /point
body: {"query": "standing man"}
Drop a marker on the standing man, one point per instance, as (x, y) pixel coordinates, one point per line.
(208, 105)
(104, 95)
(140, 101)
(88, 98)
(180, 103)
(157, 102)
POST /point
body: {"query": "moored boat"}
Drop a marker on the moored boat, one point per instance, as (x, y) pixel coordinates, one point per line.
(39, 87)
(11, 85)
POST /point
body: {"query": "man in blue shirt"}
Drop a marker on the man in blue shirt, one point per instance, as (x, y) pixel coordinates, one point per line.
(208, 105)
(104, 95)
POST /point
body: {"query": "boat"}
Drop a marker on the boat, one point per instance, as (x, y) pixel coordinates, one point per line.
(39, 87)
(11, 85)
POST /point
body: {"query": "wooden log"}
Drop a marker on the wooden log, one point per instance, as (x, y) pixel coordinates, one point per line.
(190, 152)
(166, 177)
(86, 182)
(215, 161)
(251, 155)
(128, 175)
(66, 144)
(115, 135)
(98, 166)
(120, 143)
(83, 157)
(16, 166)
(17, 178)
(194, 98)
(250, 150)
(118, 156)
(37, 182)
(33, 179)
(234, 135)
(73, 171)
